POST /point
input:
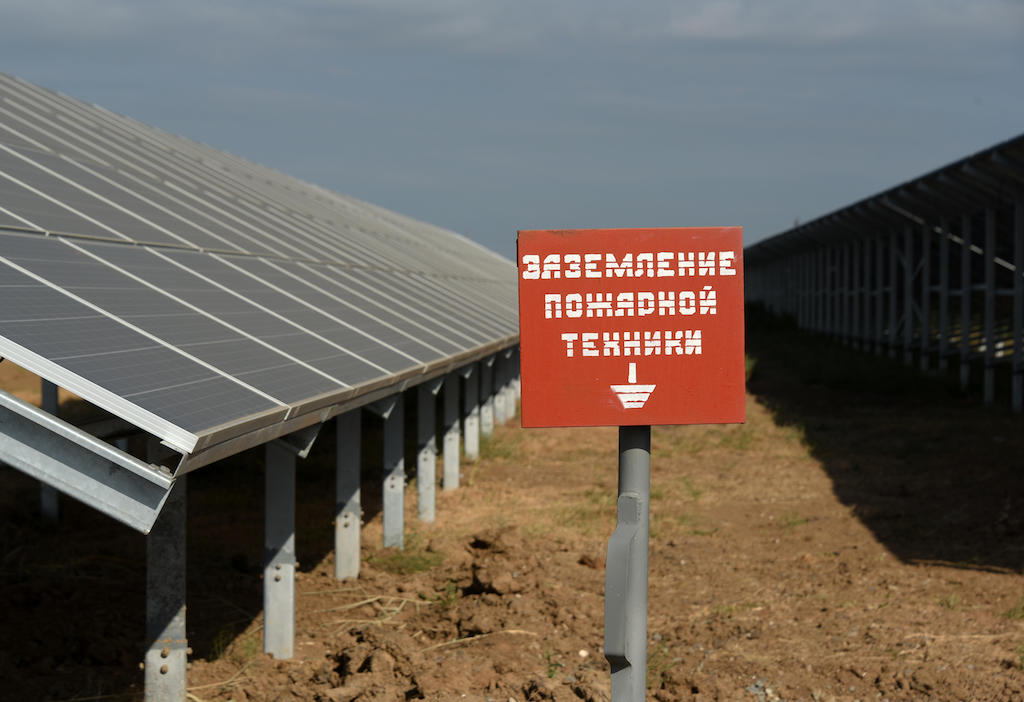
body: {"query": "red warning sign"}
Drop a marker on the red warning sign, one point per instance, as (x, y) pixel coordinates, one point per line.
(631, 326)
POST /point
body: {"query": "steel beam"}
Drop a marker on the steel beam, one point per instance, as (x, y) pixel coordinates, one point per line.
(426, 449)
(1017, 382)
(866, 294)
(943, 294)
(470, 412)
(965, 301)
(167, 651)
(855, 293)
(990, 306)
(511, 369)
(80, 465)
(893, 291)
(348, 508)
(926, 294)
(500, 411)
(823, 290)
(487, 396)
(908, 294)
(279, 552)
(450, 475)
(49, 498)
(879, 293)
(392, 410)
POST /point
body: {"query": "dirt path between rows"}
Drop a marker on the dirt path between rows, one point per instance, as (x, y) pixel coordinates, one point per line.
(858, 539)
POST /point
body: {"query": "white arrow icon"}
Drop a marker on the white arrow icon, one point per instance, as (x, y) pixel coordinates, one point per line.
(633, 396)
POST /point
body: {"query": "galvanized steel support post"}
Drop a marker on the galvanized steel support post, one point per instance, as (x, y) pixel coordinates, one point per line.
(470, 412)
(1017, 381)
(879, 293)
(487, 396)
(625, 608)
(167, 652)
(49, 498)
(822, 291)
(943, 294)
(450, 473)
(279, 551)
(426, 449)
(846, 297)
(990, 306)
(517, 385)
(392, 411)
(348, 508)
(833, 287)
(965, 301)
(908, 294)
(511, 370)
(893, 291)
(926, 294)
(500, 396)
(855, 290)
(865, 295)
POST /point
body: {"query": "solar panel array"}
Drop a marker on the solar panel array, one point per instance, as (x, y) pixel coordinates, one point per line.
(931, 269)
(200, 296)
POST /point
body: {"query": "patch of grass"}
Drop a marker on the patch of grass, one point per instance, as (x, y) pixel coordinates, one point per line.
(791, 520)
(659, 661)
(239, 647)
(1020, 657)
(657, 493)
(749, 364)
(740, 438)
(949, 602)
(414, 558)
(691, 489)
(690, 524)
(506, 447)
(404, 562)
(221, 641)
(553, 666)
(1016, 611)
(730, 609)
(448, 597)
(704, 532)
(601, 497)
(795, 433)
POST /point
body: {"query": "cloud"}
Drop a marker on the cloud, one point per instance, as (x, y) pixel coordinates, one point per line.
(499, 25)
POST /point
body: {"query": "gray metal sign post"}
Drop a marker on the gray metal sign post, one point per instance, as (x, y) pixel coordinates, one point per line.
(625, 603)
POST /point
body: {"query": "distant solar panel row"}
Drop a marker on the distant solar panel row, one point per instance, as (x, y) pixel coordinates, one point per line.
(191, 292)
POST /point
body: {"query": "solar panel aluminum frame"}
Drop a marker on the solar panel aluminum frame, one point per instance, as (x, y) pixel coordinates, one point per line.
(230, 439)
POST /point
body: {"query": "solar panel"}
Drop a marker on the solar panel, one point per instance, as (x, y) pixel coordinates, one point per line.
(201, 296)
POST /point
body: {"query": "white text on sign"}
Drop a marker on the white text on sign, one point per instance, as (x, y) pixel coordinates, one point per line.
(653, 264)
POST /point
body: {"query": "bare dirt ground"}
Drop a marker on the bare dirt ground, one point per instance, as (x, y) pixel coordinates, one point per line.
(859, 538)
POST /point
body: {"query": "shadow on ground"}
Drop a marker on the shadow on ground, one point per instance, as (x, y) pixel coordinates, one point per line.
(73, 592)
(934, 474)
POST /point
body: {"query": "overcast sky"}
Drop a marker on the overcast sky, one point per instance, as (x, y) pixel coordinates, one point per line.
(486, 117)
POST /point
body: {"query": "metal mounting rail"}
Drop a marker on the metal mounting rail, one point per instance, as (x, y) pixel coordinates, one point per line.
(80, 465)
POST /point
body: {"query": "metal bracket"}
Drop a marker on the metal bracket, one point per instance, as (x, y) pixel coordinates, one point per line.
(300, 442)
(383, 408)
(80, 465)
